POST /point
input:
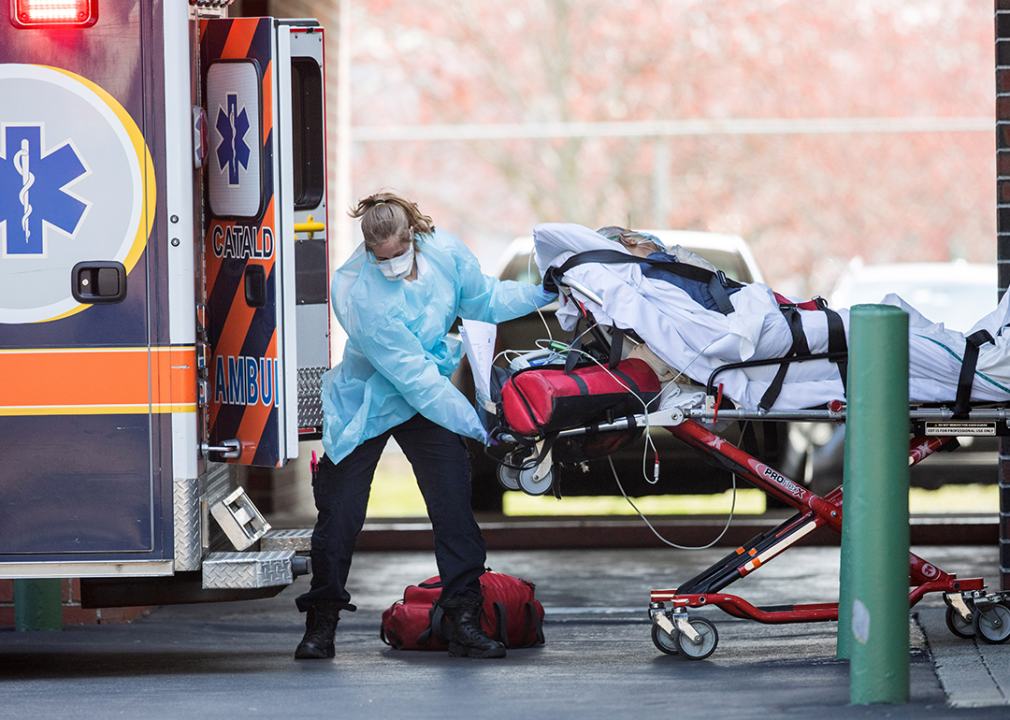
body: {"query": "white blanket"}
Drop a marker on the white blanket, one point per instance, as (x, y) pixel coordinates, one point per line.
(696, 341)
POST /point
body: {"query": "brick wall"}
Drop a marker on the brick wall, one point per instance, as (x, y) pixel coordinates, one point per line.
(73, 613)
(1002, 25)
(6, 603)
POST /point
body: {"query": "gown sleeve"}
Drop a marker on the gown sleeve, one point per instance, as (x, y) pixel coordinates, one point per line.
(400, 358)
(489, 299)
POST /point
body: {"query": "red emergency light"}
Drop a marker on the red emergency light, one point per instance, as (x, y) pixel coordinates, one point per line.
(53, 13)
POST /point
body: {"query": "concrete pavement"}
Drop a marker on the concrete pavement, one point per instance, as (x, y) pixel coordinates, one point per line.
(971, 672)
(235, 659)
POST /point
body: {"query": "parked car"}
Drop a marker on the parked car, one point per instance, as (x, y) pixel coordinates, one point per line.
(682, 470)
(955, 293)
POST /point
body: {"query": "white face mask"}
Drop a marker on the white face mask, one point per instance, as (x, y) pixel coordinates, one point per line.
(398, 267)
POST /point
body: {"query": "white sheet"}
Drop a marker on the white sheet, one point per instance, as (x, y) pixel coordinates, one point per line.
(697, 341)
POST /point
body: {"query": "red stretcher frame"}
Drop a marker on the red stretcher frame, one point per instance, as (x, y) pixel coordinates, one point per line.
(814, 512)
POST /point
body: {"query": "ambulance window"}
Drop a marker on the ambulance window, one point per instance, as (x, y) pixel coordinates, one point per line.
(307, 132)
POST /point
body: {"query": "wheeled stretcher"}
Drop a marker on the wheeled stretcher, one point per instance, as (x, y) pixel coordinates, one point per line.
(971, 610)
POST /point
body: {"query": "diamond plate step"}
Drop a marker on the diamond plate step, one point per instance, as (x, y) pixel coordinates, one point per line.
(310, 402)
(241, 521)
(299, 540)
(234, 570)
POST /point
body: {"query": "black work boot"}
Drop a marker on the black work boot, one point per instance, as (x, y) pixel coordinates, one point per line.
(466, 635)
(320, 627)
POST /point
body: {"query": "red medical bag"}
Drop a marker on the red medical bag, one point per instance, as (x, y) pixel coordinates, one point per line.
(512, 615)
(541, 400)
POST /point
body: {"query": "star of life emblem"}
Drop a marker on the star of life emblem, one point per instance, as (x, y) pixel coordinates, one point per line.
(77, 184)
(234, 98)
(34, 189)
(232, 125)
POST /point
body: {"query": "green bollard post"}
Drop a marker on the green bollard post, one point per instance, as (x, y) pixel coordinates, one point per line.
(876, 506)
(38, 604)
(843, 647)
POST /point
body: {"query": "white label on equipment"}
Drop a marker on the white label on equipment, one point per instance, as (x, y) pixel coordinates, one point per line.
(860, 621)
(961, 429)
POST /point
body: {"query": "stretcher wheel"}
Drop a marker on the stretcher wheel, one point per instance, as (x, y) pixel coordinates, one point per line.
(508, 477)
(664, 641)
(537, 486)
(705, 644)
(993, 624)
(958, 625)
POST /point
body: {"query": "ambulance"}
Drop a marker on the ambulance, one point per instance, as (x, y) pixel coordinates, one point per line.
(164, 317)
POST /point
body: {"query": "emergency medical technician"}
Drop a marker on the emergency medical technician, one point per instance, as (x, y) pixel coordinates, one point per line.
(397, 298)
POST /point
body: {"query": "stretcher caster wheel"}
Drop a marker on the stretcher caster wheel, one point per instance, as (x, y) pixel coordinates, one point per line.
(958, 625)
(664, 641)
(992, 624)
(530, 484)
(704, 645)
(508, 477)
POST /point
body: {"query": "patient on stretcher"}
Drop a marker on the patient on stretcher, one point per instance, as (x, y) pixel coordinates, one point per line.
(693, 326)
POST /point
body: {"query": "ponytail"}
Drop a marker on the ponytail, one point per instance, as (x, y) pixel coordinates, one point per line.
(385, 215)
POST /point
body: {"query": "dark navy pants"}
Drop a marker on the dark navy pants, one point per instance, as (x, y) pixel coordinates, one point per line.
(438, 457)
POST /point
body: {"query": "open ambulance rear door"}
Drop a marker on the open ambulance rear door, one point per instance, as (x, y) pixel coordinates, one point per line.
(265, 245)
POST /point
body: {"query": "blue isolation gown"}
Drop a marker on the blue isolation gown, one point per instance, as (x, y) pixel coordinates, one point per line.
(398, 357)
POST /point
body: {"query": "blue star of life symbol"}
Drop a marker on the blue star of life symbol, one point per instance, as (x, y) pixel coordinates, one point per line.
(232, 124)
(33, 189)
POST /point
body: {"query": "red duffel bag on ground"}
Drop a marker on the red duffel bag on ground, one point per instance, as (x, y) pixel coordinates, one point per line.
(512, 615)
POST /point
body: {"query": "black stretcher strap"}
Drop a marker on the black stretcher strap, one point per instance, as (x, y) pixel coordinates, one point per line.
(717, 282)
(967, 377)
(837, 345)
(616, 346)
(718, 290)
(574, 350)
(838, 350)
(799, 348)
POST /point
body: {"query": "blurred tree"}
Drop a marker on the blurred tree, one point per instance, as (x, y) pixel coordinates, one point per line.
(807, 202)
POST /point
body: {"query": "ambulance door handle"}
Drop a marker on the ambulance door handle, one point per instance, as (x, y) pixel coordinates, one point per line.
(98, 282)
(229, 449)
(255, 286)
(310, 226)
